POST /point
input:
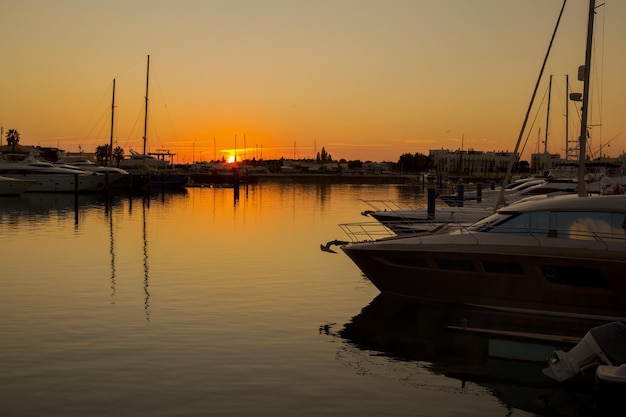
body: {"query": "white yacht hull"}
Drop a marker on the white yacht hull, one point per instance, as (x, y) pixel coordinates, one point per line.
(13, 186)
(62, 183)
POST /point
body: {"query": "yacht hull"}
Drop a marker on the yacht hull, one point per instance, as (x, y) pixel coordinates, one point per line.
(62, 182)
(13, 186)
(575, 282)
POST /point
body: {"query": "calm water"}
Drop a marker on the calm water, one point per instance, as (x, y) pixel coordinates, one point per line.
(204, 304)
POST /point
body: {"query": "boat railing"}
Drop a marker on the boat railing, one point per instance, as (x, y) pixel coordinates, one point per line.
(372, 231)
(366, 231)
(385, 205)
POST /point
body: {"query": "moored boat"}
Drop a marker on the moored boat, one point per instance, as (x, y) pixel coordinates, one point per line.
(560, 256)
(417, 220)
(51, 178)
(113, 175)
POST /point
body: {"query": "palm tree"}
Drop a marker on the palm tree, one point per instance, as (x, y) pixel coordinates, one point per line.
(102, 154)
(13, 138)
(118, 155)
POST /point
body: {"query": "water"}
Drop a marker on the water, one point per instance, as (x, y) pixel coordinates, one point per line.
(202, 303)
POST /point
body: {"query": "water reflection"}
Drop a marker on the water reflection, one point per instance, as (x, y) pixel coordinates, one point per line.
(40, 209)
(29, 205)
(109, 213)
(146, 274)
(418, 333)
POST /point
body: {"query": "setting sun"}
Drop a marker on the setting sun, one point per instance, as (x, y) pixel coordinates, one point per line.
(231, 159)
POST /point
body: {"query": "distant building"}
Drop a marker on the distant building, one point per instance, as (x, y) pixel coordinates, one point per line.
(376, 168)
(542, 163)
(471, 164)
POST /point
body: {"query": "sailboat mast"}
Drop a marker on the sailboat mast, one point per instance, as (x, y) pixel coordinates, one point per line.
(585, 74)
(112, 121)
(567, 151)
(532, 100)
(145, 120)
(545, 143)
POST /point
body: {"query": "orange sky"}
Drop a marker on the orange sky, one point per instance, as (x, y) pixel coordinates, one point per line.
(365, 79)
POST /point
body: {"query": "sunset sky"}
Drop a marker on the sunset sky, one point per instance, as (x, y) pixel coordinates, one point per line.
(365, 79)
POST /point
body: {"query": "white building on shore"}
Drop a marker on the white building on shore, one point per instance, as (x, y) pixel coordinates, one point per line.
(471, 163)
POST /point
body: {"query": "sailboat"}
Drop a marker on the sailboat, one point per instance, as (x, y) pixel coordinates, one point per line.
(155, 171)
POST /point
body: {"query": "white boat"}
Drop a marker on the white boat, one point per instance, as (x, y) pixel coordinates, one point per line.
(51, 178)
(80, 162)
(14, 186)
(415, 220)
(513, 192)
(475, 207)
(558, 256)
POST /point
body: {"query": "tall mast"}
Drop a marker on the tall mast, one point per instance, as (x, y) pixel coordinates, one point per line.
(112, 119)
(584, 75)
(145, 120)
(545, 143)
(567, 116)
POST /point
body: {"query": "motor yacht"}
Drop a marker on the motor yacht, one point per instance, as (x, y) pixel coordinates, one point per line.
(561, 255)
(51, 178)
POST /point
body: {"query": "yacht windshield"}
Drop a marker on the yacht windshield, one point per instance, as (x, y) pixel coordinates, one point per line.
(565, 224)
(488, 222)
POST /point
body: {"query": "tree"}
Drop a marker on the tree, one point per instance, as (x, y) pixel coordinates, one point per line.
(415, 163)
(323, 157)
(13, 138)
(355, 164)
(102, 154)
(118, 155)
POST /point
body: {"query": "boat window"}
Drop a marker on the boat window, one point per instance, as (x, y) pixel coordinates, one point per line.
(590, 225)
(566, 225)
(488, 222)
(532, 222)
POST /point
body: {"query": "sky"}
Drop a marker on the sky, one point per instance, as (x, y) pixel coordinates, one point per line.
(366, 80)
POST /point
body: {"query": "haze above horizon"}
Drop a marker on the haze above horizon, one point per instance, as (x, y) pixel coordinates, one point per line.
(368, 80)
